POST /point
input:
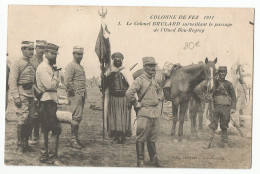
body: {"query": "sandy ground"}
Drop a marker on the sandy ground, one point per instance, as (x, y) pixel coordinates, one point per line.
(187, 154)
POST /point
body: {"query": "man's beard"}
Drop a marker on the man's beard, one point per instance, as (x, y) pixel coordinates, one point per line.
(52, 61)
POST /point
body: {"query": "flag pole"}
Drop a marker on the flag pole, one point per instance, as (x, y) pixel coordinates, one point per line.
(102, 80)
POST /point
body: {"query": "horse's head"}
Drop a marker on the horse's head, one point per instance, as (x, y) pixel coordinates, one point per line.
(210, 71)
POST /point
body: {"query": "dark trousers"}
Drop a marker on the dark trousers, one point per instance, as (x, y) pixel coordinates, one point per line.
(49, 122)
(221, 114)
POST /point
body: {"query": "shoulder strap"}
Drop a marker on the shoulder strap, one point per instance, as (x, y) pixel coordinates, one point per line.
(145, 92)
(25, 67)
(222, 85)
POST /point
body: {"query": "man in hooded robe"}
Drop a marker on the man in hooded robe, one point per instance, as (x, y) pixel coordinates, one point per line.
(118, 114)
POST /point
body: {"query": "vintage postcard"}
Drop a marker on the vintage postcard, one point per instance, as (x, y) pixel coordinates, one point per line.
(112, 86)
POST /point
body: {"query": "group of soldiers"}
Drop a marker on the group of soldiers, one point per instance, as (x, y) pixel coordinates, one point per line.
(38, 71)
(144, 94)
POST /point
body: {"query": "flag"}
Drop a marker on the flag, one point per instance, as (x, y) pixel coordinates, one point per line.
(103, 45)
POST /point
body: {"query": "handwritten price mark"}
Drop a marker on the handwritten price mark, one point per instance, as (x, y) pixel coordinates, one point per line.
(191, 45)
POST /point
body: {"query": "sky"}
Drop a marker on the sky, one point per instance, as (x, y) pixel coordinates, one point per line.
(68, 26)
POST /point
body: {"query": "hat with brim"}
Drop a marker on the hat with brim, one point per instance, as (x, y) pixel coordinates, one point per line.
(27, 44)
(41, 43)
(52, 48)
(149, 61)
(78, 49)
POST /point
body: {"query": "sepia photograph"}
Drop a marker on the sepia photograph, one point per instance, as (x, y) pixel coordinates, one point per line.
(128, 86)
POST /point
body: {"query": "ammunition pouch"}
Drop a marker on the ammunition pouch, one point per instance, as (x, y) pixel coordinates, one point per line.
(27, 86)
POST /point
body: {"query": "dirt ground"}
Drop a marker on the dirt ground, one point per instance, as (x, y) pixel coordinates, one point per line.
(187, 154)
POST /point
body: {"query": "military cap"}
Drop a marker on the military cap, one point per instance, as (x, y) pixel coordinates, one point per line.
(52, 48)
(149, 61)
(77, 49)
(222, 68)
(27, 44)
(40, 42)
(117, 55)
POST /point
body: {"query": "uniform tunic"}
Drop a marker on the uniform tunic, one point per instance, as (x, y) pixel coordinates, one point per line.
(224, 99)
(148, 114)
(20, 74)
(75, 79)
(47, 82)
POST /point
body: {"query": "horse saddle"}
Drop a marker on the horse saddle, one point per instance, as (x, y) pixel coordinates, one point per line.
(169, 71)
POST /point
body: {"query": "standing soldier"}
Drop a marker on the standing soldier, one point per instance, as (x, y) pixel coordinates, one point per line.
(75, 80)
(224, 99)
(38, 57)
(149, 109)
(47, 77)
(35, 61)
(117, 81)
(21, 80)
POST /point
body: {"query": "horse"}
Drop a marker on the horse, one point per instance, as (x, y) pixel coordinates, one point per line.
(179, 85)
(183, 82)
(199, 108)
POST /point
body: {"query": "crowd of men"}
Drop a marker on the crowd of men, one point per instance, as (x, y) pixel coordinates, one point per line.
(145, 94)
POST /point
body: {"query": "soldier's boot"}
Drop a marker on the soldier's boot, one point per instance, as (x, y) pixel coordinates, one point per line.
(152, 154)
(74, 143)
(28, 131)
(44, 148)
(140, 154)
(34, 138)
(36, 130)
(224, 138)
(211, 138)
(53, 151)
(20, 139)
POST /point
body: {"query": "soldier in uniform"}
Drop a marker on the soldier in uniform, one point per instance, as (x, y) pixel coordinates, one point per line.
(38, 57)
(21, 80)
(224, 99)
(149, 109)
(35, 61)
(117, 81)
(75, 80)
(47, 77)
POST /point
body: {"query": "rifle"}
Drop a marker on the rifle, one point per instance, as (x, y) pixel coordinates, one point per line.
(133, 67)
(236, 126)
